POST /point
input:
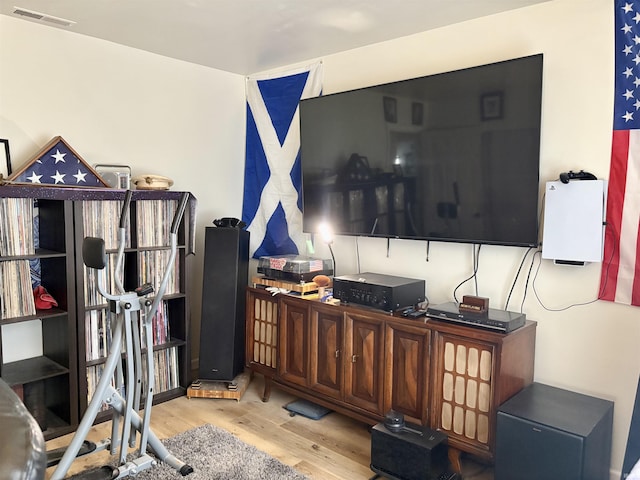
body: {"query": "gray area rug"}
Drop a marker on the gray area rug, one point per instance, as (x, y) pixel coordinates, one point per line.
(216, 454)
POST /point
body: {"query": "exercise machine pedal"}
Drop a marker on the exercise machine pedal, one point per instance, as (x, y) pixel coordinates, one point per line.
(105, 472)
(54, 456)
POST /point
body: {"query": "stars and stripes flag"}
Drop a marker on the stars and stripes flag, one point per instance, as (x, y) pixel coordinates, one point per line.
(620, 278)
(272, 205)
(58, 164)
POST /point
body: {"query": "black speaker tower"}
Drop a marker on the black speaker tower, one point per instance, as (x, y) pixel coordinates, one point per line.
(225, 277)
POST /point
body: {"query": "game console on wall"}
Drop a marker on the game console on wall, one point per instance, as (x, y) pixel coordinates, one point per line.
(574, 215)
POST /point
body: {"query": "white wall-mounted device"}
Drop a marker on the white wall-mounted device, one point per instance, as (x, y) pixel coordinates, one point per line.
(574, 216)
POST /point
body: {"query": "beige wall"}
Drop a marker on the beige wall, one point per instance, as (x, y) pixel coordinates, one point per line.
(593, 348)
(119, 105)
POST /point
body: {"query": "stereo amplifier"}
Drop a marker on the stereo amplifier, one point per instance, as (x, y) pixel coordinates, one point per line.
(498, 320)
(384, 292)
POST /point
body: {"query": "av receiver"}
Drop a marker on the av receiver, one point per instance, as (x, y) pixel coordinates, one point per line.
(384, 292)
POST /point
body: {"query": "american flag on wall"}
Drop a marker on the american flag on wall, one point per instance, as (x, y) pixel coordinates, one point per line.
(620, 277)
(58, 164)
(272, 206)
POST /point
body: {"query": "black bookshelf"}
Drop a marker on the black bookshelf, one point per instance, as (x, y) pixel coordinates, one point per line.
(53, 385)
(47, 383)
(177, 299)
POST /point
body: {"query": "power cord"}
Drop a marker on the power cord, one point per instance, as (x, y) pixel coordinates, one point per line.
(616, 240)
(603, 285)
(476, 262)
(533, 285)
(515, 280)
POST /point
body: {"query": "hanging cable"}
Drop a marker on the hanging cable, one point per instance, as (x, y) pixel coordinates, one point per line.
(533, 286)
(506, 304)
(475, 271)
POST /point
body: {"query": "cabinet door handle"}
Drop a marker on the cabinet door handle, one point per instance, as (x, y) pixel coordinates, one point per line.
(337, 353)
(354, 358)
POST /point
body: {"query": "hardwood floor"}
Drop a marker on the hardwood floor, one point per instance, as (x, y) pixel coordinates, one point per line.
(333, 448)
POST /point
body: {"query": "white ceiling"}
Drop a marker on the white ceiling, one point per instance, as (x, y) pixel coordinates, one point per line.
(250, 36)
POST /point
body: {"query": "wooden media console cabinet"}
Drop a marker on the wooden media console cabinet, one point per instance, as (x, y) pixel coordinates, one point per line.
(363, 362)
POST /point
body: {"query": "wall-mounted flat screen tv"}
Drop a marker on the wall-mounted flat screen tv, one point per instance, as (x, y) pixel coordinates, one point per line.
(447, 157)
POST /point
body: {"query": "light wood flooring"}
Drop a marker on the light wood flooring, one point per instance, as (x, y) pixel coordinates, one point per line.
(333, 448)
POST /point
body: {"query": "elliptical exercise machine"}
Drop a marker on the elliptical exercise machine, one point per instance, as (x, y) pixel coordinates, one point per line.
(124, 312)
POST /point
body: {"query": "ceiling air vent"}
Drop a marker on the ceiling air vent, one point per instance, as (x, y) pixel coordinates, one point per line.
(42, 17)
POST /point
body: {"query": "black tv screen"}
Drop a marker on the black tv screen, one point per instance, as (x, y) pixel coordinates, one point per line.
(448, 157)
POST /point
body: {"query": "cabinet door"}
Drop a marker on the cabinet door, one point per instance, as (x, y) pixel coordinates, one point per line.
(463, 391)
(326, 350)
(407, 350)
(364, 372)
(294, 341)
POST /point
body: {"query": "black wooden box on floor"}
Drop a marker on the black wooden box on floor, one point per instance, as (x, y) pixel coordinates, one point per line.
(416, 453)
(225, 278)
(545, 432)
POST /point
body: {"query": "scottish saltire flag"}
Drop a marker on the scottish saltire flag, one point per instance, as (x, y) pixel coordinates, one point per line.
(58, 164)
(272, 206)
(620, 278)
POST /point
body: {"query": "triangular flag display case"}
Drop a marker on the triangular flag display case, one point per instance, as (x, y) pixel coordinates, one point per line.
(58, 164)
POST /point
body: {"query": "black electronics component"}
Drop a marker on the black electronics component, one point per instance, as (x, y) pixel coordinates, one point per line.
(385, 292)
(412, 452)
(498, 320)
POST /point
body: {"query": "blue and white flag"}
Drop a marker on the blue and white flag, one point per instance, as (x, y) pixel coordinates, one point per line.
(272, 206)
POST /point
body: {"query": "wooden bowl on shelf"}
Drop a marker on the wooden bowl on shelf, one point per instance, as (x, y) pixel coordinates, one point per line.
(152, 182)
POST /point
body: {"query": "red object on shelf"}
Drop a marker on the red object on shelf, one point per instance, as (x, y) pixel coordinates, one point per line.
(43, 299)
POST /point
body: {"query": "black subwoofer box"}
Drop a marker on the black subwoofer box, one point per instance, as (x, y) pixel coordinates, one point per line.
(544, 432)
(416, 453)
(225, 278)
